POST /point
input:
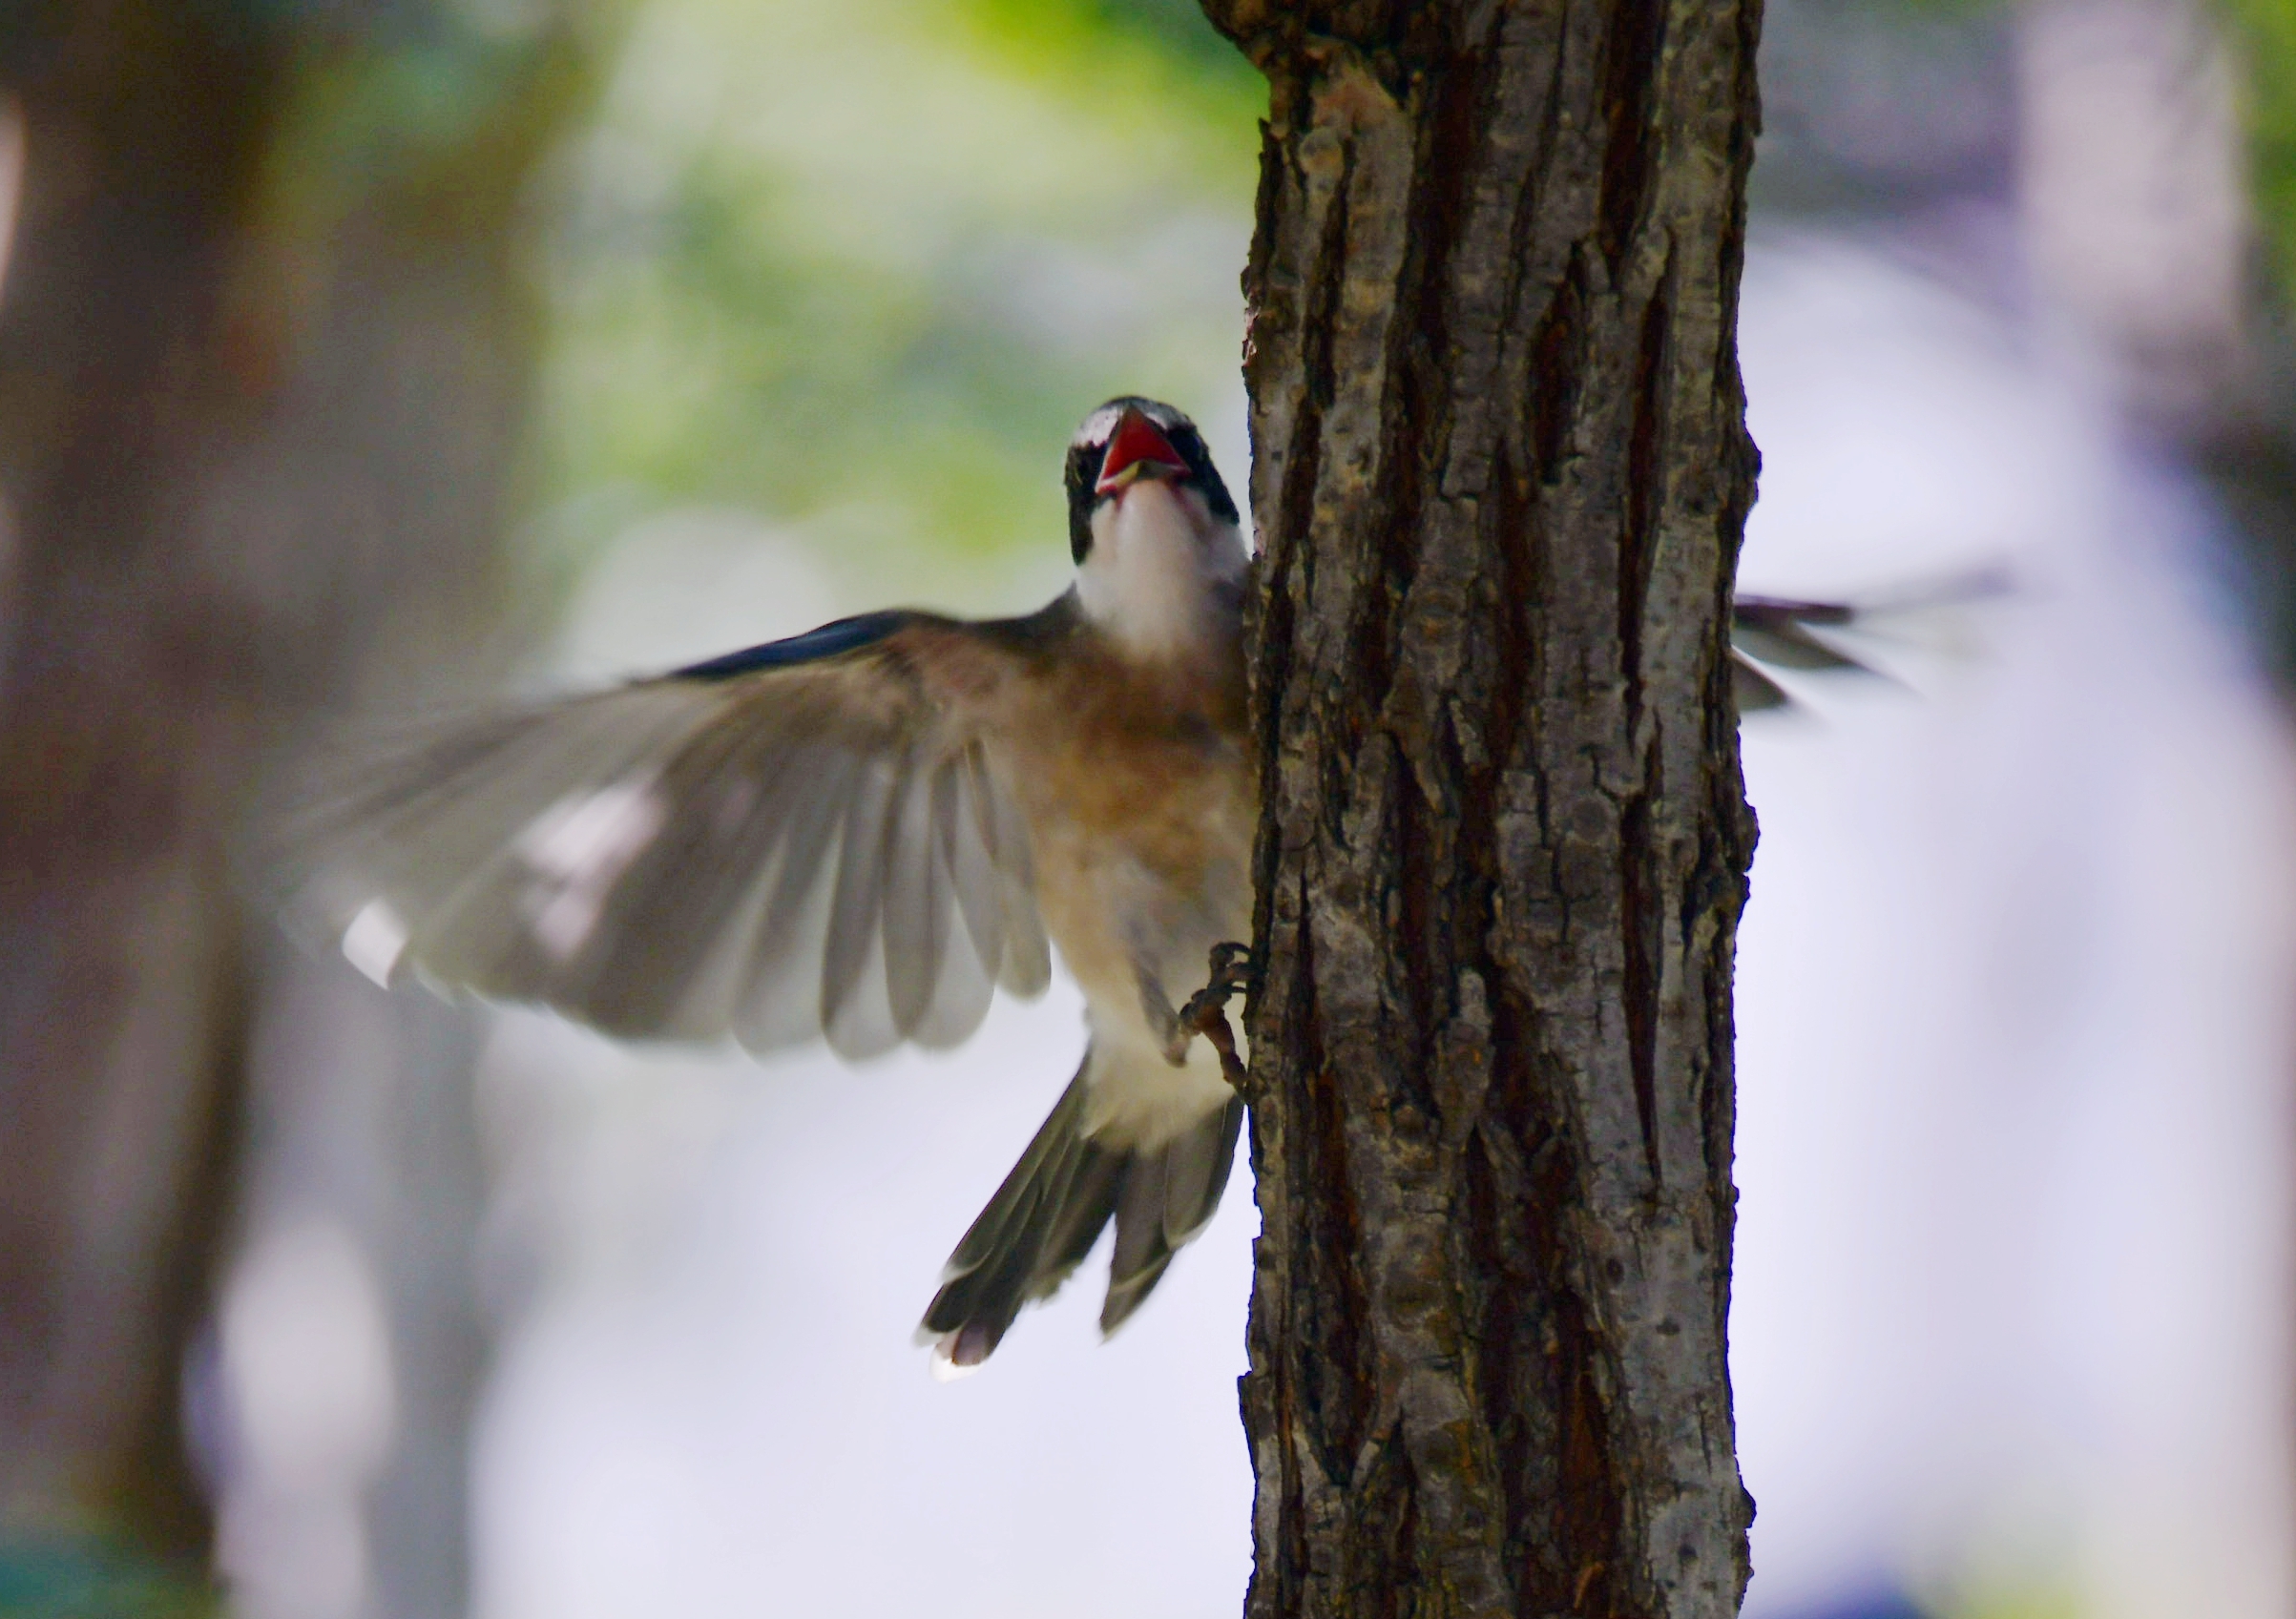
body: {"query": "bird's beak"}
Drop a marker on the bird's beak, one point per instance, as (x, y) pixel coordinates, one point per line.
(1136, 449)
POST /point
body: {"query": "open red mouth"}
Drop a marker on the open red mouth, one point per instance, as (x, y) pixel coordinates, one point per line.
(1136, 449)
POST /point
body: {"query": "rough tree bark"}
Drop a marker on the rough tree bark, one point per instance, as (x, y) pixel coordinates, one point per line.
(1500, 476)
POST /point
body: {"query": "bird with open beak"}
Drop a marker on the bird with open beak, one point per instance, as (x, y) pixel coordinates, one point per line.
(862, 831)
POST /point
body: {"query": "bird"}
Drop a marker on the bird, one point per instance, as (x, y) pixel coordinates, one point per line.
(863, 832)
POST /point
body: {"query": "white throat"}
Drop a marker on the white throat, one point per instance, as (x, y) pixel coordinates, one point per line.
(1151, 580)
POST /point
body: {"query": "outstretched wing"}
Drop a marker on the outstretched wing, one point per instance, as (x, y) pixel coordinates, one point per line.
(1776, 632)
(813, 837)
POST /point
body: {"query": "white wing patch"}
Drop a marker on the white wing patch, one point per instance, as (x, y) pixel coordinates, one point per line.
(375, 941)
(576, 851)
(809, 851)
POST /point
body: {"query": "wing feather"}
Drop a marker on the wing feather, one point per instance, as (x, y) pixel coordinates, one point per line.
(1028, 953)
(1028, 956)
(1754, 690)
(431, 816)
(781, 1003)
(964, 981)
(660, 951)
(854, 1007)
(1772, 632)
(971, 858)
(914, 906)
(778, 848)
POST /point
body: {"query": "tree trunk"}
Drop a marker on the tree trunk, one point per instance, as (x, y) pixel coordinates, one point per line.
(1500, 476)
(262, 379)
(124, 719)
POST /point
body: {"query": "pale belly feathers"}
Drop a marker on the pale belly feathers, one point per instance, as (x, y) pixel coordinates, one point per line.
(1144, 864)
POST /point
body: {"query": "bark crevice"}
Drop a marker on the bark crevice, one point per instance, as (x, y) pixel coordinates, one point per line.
(1499, 475)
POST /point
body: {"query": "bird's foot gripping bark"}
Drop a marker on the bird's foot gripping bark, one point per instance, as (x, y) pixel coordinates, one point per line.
(1232, 973)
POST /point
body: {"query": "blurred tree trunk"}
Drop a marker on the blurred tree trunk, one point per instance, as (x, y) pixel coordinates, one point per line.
(1500, 474)
(263, 346)
(125, 708)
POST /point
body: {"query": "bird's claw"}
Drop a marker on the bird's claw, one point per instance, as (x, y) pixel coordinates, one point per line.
(1233, 973)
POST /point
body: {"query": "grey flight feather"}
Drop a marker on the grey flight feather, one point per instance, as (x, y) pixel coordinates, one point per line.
(1765, 630)
(1780, 633)
(774, 850)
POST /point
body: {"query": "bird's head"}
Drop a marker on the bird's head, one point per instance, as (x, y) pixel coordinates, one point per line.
(1150, 522)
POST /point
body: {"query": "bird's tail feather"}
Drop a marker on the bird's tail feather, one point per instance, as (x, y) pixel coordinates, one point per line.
(1052, 1206)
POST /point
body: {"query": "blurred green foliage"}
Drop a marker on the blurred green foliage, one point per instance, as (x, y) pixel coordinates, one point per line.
(2264, 36)
(1162, 44)
(860, 269)
(857, 270)
(422, 112)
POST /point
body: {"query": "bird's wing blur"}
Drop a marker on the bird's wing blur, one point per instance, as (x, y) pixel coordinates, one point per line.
(811, 838)
(1767, 629)
(1777, 633)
